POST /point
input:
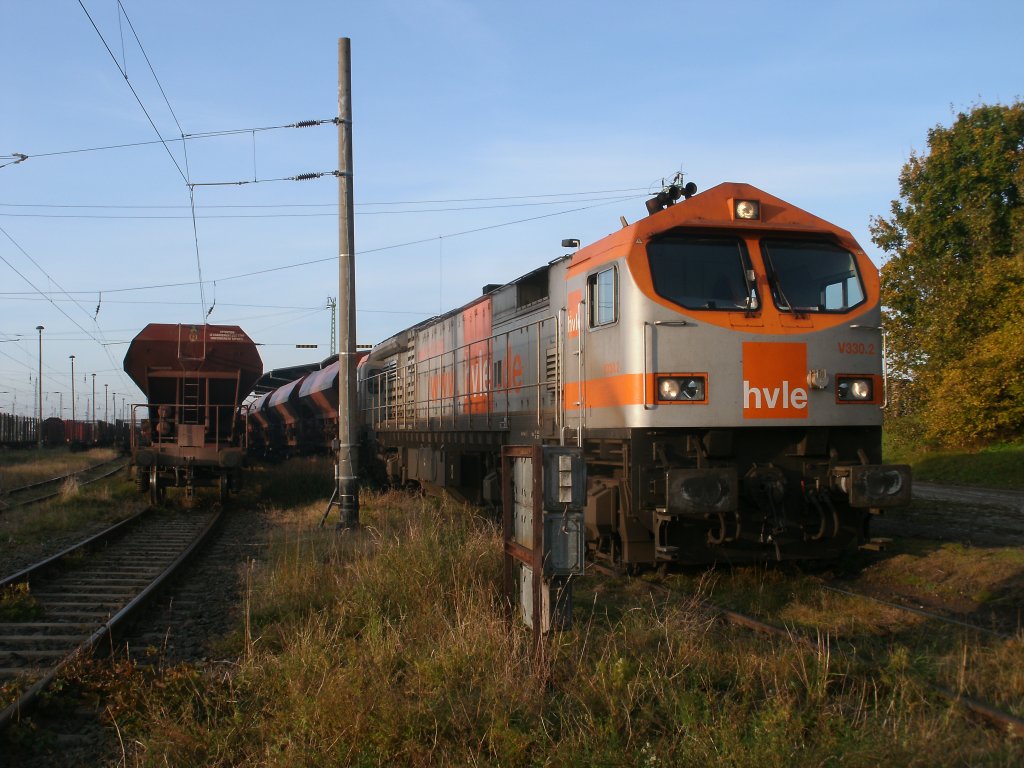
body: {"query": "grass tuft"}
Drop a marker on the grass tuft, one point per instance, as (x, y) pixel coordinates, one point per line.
(17, 603)
(69, 489)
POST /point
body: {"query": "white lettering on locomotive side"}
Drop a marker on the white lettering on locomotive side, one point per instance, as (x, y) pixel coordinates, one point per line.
(760, 397)
(774, 374)
(573, 307)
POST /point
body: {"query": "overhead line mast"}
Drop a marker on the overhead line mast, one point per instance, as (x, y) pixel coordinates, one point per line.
(346, 492)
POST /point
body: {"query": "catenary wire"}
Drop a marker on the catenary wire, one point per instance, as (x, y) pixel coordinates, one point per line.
(160, 302)
(18, 157)
(169, 217)
(163, 141)
(365, 252)
(184, 174)
(52, 302)
(335, 204)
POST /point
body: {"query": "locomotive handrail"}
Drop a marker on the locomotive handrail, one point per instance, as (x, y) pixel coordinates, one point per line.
(581, 387)
(559, 395)
(671, 324)
(540, 418)
(389, 403)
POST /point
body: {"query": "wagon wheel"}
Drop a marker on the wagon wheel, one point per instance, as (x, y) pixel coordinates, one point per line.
(225, 488)
(156, 490)
(141, 480)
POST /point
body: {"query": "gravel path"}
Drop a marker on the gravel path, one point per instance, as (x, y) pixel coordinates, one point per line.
(987, 497)
(985, 517)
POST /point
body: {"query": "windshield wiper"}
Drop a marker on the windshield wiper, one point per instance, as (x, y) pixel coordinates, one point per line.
(748, 278)
(777, 284)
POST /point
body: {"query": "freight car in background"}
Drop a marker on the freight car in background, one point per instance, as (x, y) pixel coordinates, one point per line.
(299, 416)
(18, 431)
(80, 435)
(720, 362)
(195, 378)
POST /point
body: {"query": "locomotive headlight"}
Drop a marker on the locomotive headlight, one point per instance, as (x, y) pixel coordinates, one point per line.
(854, 388)
(682, 388)
(748, 210)
(669, 389)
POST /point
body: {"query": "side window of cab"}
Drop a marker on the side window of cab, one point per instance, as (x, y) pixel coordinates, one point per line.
(603, 296)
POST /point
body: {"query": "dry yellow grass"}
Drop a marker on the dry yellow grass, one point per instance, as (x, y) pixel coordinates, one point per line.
(18, 468)
(388, 646)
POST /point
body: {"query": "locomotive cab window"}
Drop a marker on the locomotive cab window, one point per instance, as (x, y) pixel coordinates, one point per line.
(703, 272)
(812, 276)
(602, 288)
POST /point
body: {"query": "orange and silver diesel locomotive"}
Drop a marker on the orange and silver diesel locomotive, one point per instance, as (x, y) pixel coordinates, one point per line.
(720, 363)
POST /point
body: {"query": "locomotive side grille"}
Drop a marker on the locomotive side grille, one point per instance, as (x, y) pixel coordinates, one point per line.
(407, 390)
(551, 368)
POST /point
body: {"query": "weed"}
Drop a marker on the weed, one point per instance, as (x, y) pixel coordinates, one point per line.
(17, 603)
(69, 489)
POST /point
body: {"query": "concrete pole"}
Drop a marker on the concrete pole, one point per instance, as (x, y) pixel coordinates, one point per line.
(70, 439)
(39, 426)
(347, 491)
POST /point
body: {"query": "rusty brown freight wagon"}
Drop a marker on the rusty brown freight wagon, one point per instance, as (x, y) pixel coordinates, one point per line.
(194, 377)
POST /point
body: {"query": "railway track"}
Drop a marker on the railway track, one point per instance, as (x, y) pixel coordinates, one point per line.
(917, 611)
(74, 602)
(48, 489)
(995, 717)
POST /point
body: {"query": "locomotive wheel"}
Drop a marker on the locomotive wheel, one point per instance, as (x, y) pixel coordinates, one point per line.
(156, 490)
(225, 488)
(141, 480)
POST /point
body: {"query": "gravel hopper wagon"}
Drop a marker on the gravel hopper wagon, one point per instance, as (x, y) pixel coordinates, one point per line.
(191, 432)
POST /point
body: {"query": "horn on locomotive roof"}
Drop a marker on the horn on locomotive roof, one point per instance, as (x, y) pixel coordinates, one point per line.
(670, 195)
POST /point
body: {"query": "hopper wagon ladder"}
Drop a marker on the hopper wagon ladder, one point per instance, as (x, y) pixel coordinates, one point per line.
(191, 395)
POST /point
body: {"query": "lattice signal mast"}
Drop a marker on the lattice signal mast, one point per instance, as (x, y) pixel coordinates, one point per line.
(332, 304)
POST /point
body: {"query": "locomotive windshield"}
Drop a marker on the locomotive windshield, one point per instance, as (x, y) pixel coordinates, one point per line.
(809, 276)
(701, 272)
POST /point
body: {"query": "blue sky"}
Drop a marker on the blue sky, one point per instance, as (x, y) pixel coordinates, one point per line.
(818, 103)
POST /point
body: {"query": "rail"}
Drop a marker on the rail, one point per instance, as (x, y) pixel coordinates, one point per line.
(1005, 721)
(116, 464)
(77, 612)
